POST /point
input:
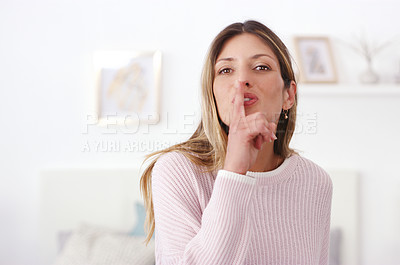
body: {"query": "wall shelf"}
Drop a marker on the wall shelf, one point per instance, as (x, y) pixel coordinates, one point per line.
(348, 90)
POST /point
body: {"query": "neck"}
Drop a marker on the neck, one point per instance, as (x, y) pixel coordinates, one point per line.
(266, 159)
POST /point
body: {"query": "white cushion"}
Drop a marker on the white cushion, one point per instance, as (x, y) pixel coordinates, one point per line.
(91, 245)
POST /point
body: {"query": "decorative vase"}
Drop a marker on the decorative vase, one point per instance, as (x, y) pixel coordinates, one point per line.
(369, 76)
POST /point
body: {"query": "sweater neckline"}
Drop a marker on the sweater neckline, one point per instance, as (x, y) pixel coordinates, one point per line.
(279, 174)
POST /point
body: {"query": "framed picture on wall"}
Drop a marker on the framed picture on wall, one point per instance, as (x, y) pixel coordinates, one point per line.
(315, 60)
(127, 86)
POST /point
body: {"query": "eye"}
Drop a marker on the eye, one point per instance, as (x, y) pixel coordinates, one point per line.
(262, 68)
(225, 71)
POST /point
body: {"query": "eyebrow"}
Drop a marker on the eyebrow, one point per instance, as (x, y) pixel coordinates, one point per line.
(256, 56)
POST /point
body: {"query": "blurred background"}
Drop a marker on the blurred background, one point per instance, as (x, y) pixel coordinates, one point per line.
(47, 93)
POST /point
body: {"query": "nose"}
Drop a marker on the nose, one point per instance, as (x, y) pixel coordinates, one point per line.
(244, 78)
(244, 83)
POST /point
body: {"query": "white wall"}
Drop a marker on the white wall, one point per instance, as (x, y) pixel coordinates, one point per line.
(46, 79)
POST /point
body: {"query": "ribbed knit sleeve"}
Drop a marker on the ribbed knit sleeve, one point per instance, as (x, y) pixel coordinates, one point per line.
(326, 222)
(188, 234)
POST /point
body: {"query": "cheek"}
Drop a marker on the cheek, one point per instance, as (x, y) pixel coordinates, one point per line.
(222, 101)
(273, 97)
(276, 88)
(271, 93)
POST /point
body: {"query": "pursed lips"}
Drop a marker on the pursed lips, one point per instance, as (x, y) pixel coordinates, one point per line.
(249, 99)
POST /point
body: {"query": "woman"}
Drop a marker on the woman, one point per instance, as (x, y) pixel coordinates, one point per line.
(235, 193)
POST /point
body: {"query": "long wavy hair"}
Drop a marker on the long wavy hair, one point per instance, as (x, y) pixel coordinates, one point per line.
(207, 146)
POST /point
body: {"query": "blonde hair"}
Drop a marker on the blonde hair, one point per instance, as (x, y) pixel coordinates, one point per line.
(207, 146)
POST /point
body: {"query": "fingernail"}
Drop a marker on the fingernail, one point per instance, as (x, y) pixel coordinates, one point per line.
(274, 137)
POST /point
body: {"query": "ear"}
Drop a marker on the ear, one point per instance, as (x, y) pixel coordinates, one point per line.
(289, 95)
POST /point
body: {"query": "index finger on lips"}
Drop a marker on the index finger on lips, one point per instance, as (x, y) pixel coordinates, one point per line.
(237, 112)
(238, 104)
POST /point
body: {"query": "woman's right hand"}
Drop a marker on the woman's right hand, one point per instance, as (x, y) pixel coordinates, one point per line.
(247, 134)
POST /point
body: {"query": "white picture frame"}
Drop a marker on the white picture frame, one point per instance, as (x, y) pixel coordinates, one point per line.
(127, 86)
(315, 60)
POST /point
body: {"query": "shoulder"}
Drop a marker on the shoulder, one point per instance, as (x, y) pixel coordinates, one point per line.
(313, 171)
(174, 175)
(177, 167)
(174, 161)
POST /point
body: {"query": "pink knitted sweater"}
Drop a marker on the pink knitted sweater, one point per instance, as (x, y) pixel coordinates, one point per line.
(280, 217)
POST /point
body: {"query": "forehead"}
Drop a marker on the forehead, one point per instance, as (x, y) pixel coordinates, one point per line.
(245, 45)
